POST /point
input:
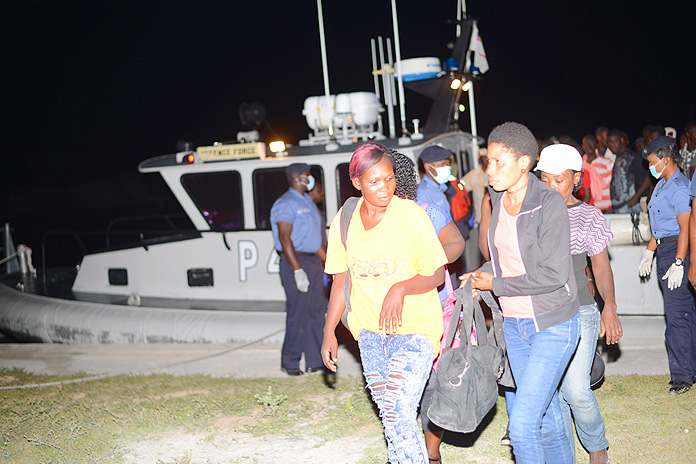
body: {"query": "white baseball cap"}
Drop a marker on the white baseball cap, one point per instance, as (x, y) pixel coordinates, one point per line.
(558, 158)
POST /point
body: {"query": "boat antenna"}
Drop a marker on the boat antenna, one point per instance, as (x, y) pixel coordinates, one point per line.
(332, 145)
(402, 98)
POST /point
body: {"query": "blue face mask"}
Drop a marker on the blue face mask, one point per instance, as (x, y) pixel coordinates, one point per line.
(654, 172)
(310, 184)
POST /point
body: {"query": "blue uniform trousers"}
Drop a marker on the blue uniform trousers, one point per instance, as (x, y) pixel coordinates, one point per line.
(680, 312)
(306, 313)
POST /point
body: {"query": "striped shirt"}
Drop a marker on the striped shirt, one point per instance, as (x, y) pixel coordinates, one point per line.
(600, 175)
(589, 232)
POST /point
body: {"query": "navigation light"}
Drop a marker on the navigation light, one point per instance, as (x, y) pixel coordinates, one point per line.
(277, 146)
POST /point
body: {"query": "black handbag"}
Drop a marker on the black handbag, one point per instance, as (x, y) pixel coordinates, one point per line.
(467, 376)
(597, 371)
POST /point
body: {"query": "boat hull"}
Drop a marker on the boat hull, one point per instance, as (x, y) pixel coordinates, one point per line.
(36, 318)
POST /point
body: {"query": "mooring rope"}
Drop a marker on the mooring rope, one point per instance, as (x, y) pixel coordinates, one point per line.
(139, 371)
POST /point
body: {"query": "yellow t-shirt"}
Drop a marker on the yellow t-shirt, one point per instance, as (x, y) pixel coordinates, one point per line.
(402, 245)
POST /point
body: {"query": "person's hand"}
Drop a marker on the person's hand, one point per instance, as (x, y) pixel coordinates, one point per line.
(390, 316)
(301, 280)
(481, 281)
(329, 351)
(465, 277)
(645, 263)
(610, 325)
(674, 276)
(591, 285)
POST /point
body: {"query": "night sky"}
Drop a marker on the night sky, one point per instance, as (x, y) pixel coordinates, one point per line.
(92, 88)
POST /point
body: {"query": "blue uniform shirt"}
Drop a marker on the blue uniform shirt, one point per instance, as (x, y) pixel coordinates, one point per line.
(439, 218)
(669, 199)
(430, 191)
(300, 211)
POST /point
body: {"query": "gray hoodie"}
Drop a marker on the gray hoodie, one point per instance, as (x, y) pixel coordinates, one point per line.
(543, 234)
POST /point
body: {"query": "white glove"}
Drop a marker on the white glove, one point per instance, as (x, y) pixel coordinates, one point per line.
(674, 276)
(301, 280)
(645, 263)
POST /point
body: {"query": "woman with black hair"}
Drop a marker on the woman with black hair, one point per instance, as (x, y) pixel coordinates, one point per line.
(395, 263)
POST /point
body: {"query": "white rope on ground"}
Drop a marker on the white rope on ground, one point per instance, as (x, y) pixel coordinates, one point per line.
(139, 371)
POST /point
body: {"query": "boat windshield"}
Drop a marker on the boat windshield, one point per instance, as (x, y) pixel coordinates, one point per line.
(218, 197)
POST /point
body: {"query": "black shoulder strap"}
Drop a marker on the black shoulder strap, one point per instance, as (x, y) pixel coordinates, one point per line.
(346, 215)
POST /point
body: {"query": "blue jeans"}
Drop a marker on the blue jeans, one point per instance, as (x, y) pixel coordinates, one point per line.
(538, 361)
(396, 368)
(575, 393)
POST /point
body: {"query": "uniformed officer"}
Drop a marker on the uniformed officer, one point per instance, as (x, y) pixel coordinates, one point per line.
(670, 209)
(438, 169)
(296, 225)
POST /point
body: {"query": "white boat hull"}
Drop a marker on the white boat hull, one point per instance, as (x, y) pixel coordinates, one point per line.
(31, 317)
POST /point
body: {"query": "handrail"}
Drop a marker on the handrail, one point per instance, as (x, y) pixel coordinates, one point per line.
(166, 217)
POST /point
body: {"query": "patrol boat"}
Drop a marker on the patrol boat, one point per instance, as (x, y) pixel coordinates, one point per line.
(219, 281)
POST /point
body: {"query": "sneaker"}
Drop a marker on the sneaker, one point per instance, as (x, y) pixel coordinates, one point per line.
(505, 441)
(678, 387)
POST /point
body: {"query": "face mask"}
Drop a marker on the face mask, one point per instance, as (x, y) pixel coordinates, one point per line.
(310, 184)
(443, 174)
(654, 172)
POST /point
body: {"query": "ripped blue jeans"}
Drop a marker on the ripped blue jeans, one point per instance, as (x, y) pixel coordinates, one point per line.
(396, 368)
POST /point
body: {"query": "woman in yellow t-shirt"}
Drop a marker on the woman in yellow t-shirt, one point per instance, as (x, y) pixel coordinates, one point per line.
(395, 262)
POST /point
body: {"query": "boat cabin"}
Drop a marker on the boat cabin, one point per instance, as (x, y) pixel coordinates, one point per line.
(227, 190)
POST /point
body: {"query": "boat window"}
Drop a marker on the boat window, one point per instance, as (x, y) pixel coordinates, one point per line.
(269, 185)
(218, 196)
(345, 186)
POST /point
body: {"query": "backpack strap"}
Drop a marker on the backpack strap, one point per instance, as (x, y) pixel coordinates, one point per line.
(346, 214)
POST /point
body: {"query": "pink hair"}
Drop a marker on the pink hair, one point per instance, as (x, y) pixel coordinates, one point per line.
(366, 156)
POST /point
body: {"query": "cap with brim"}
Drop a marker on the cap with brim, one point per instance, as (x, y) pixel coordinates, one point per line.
(656, 144)
(558, 158)
(434, 153)
(297, 168)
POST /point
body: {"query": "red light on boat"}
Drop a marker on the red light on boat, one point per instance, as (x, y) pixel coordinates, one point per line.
(190, 158)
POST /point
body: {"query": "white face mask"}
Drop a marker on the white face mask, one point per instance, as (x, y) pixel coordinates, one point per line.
(442, 174)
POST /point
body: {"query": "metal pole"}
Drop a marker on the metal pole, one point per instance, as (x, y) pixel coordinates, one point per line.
(474, 128)
(387, 81)
(325, 67)
(402, 98)
(380, 128)
(461, 10)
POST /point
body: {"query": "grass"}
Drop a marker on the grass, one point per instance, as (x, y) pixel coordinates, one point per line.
(94, 422)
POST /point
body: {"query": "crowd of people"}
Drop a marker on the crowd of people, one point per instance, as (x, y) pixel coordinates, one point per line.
(535, 208)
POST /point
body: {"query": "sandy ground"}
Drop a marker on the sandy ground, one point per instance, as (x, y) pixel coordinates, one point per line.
(228, 443)
(235, 447)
